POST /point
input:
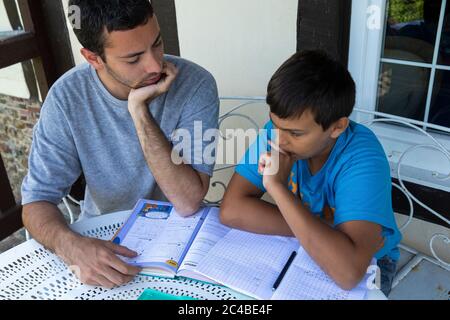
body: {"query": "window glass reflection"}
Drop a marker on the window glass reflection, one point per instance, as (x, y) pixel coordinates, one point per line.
(444, 49)
(403, 90)
(440, 103)
(411, 31)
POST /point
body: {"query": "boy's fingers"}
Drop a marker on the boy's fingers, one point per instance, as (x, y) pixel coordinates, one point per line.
(265, 163)
(277, 148)
(260, 168)
(262, 163)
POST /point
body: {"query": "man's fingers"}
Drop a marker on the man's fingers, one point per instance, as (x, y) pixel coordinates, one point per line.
(118, 264)
(116, 277)
(121, 250)
(98, 281)
(104, 282)
(171, 73)
(170, 68)
(124, 268)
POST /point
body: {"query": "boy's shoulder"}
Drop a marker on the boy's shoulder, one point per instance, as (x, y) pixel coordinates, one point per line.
(363, 150)
(361, 139)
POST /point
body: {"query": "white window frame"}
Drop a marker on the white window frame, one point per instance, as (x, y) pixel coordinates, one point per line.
(424, 166)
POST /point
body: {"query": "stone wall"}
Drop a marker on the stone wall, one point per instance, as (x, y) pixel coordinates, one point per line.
(17, 119)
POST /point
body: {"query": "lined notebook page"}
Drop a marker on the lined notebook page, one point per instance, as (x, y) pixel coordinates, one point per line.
(248, 263)
(306, 281)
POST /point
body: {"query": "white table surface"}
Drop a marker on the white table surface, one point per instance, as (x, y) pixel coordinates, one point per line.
(31, 272)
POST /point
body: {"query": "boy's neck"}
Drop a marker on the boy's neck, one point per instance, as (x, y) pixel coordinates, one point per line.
(316, 163)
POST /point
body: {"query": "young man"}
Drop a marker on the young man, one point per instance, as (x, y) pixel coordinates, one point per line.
(113, 119)
(328, 176)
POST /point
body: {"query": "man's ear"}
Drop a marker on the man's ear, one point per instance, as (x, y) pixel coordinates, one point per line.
(339, 126)
(93, 59)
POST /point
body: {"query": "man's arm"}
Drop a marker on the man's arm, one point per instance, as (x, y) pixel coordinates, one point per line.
(94, 261)
(183, 186)
(243, 208)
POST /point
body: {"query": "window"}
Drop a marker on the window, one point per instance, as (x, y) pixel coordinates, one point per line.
(400, 59)
(415, 63)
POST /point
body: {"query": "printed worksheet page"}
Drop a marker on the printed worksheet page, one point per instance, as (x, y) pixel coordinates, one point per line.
(160, 234)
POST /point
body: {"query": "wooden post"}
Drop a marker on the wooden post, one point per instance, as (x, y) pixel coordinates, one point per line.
(32, 16)
(325, 25)
(167, 17)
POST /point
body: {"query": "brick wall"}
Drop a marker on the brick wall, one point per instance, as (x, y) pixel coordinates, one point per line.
(17, 119)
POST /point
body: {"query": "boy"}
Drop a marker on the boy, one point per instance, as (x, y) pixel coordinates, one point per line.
(328, 176)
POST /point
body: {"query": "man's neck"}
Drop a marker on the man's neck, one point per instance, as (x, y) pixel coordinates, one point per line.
(116, 89)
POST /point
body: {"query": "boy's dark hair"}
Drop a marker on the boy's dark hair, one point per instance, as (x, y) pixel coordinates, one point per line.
(311, 80)
(110, 15)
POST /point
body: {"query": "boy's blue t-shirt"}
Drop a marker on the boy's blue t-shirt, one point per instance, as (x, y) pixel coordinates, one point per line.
(353, 185)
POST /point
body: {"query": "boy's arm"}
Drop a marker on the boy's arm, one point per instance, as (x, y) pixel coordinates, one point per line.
(343, 253)
(243, 209)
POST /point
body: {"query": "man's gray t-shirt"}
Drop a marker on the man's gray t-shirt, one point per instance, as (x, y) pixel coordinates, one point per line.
(84, 129)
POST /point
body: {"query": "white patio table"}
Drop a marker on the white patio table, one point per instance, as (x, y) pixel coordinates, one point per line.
(30, 272)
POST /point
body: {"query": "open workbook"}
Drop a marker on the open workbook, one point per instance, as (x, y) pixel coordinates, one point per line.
(252, 264)
(200, 247)
(168, 244)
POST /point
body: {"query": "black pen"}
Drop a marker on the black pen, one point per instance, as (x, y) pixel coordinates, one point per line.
(285, 269)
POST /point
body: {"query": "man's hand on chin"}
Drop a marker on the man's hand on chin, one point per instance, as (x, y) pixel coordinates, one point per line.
(140, 97)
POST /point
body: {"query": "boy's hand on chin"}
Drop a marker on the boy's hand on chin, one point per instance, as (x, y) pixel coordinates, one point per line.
(140, 97)
(275, 167)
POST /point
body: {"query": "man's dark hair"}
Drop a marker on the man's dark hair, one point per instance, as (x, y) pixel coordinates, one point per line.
(98, 16)
(311, 80)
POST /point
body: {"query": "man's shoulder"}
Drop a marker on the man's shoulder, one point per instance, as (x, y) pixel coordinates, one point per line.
(78, 73)
(69, 85)
(69, 90)
(190, 70)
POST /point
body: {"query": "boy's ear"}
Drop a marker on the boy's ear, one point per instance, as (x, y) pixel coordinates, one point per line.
(92, 58)
(339, 126)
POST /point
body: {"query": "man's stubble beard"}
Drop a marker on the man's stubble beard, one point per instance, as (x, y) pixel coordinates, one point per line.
(121, 80)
